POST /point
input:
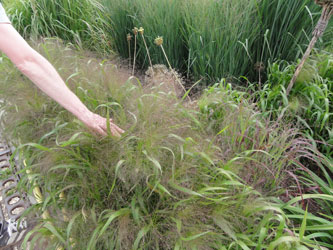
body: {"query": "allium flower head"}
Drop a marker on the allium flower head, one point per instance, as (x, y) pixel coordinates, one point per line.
(159, 41)
(129, 37)
(135, 31)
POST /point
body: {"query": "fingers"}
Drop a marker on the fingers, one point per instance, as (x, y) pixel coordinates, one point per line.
(119, 130)
(115, 130)
(99, 125)
(100, 131)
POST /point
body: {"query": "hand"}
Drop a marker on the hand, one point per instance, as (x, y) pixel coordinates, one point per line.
(97, 124)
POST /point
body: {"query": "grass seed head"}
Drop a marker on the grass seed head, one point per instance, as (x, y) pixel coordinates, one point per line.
(159, 41)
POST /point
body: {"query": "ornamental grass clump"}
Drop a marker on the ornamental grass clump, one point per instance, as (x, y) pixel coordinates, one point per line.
(216, 39)
(179, 178)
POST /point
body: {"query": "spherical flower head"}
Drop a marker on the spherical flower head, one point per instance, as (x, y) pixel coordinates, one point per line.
(141, 30)
(129, 37)
(135, 31)
(159, 41)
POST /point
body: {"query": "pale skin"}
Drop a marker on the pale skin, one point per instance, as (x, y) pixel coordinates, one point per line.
(44, 76)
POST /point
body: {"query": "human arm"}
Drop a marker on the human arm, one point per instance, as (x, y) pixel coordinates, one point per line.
(43, 74)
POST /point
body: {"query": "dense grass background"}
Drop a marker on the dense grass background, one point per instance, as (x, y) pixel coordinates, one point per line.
(81, 22)
(215, 39)
(210, 39)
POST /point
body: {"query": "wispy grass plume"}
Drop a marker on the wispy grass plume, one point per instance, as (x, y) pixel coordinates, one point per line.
(181, 177)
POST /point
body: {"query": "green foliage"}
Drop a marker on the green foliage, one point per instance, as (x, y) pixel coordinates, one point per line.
(183, 176)
(163, 17)
(314, 228)
(310, 106)
(81, 22)
(215, 39)
(310, 103)
(219, 35)
(286, 28)
(211, 39)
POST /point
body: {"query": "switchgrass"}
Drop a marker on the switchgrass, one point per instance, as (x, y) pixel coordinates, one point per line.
(184, 176)
(286, 27)
(215, 39)
(210, 39)
(199, 41)
(80, 22)
(219, 35)
(157, 18)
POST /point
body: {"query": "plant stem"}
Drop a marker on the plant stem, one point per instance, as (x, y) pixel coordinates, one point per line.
(134, 55)
(151, 65)
(129, 53)
(318, 32)
(173, 72)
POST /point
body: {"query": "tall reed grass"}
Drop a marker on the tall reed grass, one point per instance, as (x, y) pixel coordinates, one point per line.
(157, 18)
(215, 39)
(210, 39)
(81, 22)
(219, 35)
(285, 29)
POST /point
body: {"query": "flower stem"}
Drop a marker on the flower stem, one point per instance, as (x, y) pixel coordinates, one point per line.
(134, 54)
(173, 72)
(129, 53)
(151, 65)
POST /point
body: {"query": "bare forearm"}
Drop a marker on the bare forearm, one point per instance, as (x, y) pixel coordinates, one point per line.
(44, 75)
